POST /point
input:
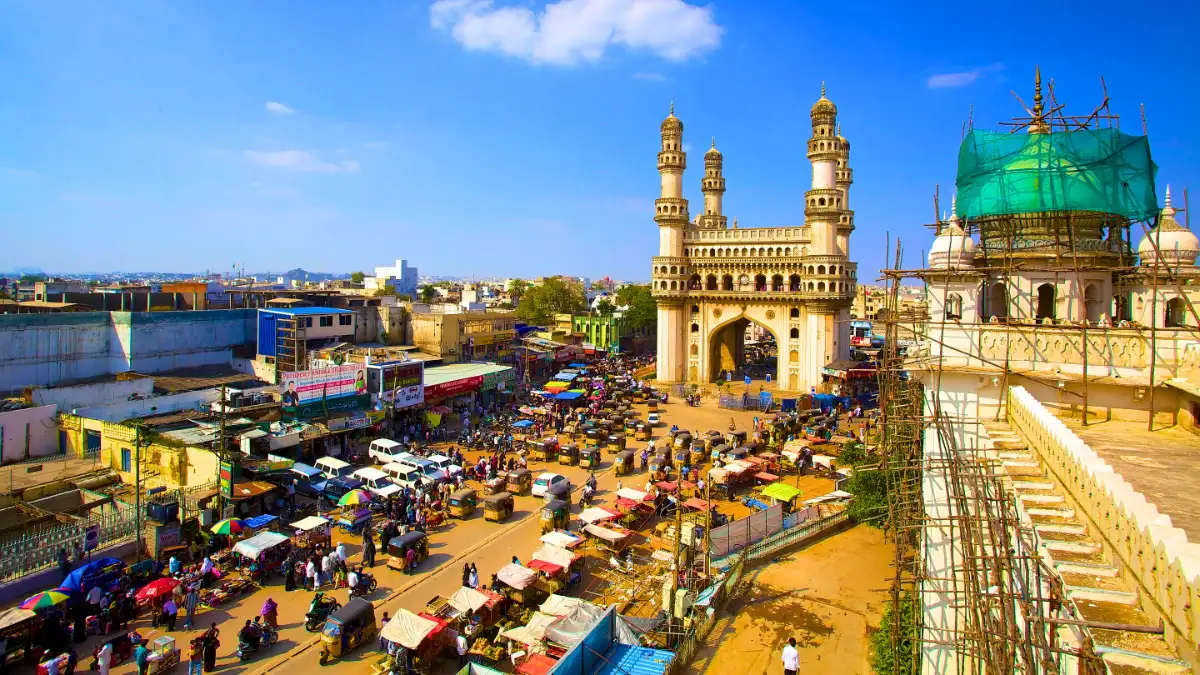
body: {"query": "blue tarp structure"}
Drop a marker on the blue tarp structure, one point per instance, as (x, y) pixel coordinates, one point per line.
(259, 521)
(787, 405)
(755, 504)
(523, 424)
(88, 575)
(577, 365)
(568, 396)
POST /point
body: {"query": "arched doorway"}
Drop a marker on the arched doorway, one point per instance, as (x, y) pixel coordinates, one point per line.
(1091, 303)
(1045, 302)
(743, 347)
(1176, 314)
(997, 301)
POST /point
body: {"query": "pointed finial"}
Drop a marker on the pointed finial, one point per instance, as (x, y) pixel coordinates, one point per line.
(839, 129)
(822, 88)
(672, 106)
(1168, 204)
(1037, 91)
(954, 206)
(714, 146)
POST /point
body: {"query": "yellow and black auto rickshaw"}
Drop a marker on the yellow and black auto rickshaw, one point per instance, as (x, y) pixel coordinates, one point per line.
(546, 449)
(347, 628)
(682, 440)
(735, 438)
(631, 427)
(643, 432)
(463, 503)
(592, 438)
(518, 481)
(712, 438)
(589, 458)
(697, 454)
(652, 404)
(398, 548)
(560, 491)
(660, 468)
(556, 514)
(681, 457)
(623, 463)
(498, 507)
(616, 443)
(568, 454)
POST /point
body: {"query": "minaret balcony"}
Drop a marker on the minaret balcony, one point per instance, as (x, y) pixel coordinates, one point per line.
(675, 160)
(670, 210)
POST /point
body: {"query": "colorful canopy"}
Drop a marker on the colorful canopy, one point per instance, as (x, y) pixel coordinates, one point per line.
(407, 629)
(781, 491)
(156, 589)
(354, 498)
(516, 576)
(229, 526)
(43, 600)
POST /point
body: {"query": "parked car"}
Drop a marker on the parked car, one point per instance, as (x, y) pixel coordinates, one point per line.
(385, 450)
(333, 467)
(544, 481)
(426, 467)
(405, 476)
(308, 480)
(336, 487)
(376, 482)
(653, 419)
(446, 464)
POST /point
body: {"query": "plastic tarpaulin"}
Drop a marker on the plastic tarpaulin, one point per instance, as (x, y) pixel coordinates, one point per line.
(259, 521)
(781, 491)
(605, 533)
(468, 600)
(407, 629)
(568, 396)
(516, 576)
(561, 539)
(553, 554)
(560, 605)
(598, 514)
(254, 546)
(543, 566)
(532, 633)
(635, 495)
(310, 523)
(523, 424)
(570, 629)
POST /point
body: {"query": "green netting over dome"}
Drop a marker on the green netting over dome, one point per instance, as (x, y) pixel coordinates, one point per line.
(1097, 170)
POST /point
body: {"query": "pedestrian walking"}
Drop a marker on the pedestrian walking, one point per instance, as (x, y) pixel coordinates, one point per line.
(466, 575)
(791, 658)
(190, 602)
(171, 612)
(196, 664)
(310, 576)
(369, 553)
(141, 656)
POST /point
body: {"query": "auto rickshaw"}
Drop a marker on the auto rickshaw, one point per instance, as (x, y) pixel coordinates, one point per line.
(683, 440)
(638, 396)
(560, 491)
(652, 403)
(519, 481)
(735, 438)
(751, 446)
(660, 468)
(734, 454)
(590, 458)
(592, 438)
(347, 628)
(604, 436)
(631, 426)
(616, 443)
(718, 452)
(498, 507)
(623, 463)
(643, 432)
(568, 454)
(398, 547)
(697, 454)
(463, 503)
(712, 438)
(556, 514)
(681, 457)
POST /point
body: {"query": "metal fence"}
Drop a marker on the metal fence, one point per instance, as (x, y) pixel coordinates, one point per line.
(38, 549)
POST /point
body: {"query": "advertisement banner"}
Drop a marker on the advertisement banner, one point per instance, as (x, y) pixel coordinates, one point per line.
(454, 387)
(323, 384)
(400, 383)
(227, 477)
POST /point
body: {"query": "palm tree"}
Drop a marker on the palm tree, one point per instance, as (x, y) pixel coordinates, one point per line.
(428, 293)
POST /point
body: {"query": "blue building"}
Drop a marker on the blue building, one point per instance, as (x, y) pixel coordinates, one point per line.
(287, 335)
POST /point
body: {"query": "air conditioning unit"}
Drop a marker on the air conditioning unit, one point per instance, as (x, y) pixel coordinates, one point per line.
(683, 602)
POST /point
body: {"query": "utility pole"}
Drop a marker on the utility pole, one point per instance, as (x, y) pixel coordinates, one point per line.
(137, 490)
(676, 567)
(221, 455)
(707, 531)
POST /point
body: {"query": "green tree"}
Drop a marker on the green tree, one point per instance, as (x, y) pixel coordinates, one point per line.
(428, 293)
(357, 277)
(404, 297)
(605, 308)
(554, 296)
(643, 310)
(31, 278)
(516, 289)
(892, 645)
(387, 290)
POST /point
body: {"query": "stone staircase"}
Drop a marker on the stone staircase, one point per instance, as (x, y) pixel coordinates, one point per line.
(1094, 584)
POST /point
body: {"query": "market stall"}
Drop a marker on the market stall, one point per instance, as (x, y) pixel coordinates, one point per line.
(598, 514)
(561, 539)
(312, 532)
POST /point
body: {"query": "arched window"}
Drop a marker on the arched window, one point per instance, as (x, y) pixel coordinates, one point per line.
(674, 270)
(833, 287)
(1045, 302)
(820, 269)
(1120, 308)
(833, 269)
(1091, 303)
(695, 309)
(777, 282)
(811, 286)
(1175, 316)
(695, 328)
(820, 285)
(694, 282)
(821, 201)
(794, 333)
(953, 306)
(794, 313)
(727, 282)
(674, 286)
(710, 283)
(794, 283)
(760, 282)
(997, 301)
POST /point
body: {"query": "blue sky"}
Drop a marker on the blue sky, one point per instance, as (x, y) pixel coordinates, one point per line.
(515, 137)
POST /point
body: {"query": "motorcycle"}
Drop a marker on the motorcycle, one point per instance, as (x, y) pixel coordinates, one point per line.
(267, 637)
(315, 619)
(587, 496)
(366, 585)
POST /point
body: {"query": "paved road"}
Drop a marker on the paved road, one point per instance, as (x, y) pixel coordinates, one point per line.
(486, 544)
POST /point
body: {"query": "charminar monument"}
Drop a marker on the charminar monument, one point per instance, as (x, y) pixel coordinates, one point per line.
(711, 280)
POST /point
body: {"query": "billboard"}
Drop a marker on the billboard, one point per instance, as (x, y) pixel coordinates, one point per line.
(401, 383)
(322, 384)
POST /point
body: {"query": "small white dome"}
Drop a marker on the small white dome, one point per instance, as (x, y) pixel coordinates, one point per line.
(1177, 245)
(953, 248)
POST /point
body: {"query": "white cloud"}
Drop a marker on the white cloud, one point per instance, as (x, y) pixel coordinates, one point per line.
(571, 31)
(278, 108)
(962, 78)
(650, 77)
(300, 160)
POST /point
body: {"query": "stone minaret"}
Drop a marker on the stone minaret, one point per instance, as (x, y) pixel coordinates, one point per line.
(713, 187)
(845, 176)
(823, 202)
(670, 273)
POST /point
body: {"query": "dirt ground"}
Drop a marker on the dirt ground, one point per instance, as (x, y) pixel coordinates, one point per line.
(829, 596)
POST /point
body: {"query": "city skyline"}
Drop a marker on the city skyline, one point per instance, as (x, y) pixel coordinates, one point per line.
(159, 138)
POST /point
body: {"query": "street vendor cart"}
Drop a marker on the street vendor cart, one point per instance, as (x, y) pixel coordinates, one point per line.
(421, 640)
(311, 532)
(353, 518)
(264, 553)
(164, 655)
(517, 584)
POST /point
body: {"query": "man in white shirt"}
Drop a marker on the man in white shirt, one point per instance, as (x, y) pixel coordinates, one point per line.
(791, 658)
(351, 581)
(460, 645)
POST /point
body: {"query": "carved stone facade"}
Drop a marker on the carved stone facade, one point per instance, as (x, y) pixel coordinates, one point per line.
(711, 281)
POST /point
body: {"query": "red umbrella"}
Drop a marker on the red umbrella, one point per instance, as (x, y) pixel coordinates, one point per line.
(156, 589)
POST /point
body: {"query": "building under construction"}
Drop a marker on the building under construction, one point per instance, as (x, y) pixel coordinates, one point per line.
(1038, 439)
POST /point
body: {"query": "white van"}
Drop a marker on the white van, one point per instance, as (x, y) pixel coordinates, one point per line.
(404, 475)
(385, 450)
(376, 481)
(427, 468)
(333, 467)
(446, 464)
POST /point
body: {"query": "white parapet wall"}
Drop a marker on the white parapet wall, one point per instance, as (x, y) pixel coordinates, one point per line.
(1157, 555)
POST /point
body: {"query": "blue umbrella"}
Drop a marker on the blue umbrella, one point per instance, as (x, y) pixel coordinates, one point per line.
(86, 573)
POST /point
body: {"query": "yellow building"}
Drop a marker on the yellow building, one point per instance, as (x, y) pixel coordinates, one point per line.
(464, 336)
(166, 462)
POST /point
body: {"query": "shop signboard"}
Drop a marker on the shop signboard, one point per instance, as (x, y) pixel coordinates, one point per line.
(454, 387)
(498, 380)
(322, 384)
(227, 479)
(564, 353)
(398, 382)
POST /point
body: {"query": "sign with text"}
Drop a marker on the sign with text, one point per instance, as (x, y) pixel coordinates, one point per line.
(322, 384)
(227, 479)
(398, 382)
(454, 387)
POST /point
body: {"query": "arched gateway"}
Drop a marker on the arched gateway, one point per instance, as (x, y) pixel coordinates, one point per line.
(711, 281)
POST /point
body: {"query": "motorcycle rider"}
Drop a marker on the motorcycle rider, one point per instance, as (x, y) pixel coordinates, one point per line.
(591, 481)
(249, 635)
(352, 582)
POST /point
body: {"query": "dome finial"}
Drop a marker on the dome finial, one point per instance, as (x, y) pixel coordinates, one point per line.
(822, 88)
(954, 206)
(672, 106)
(839, 129)
(1168, 204)
(714, 147)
